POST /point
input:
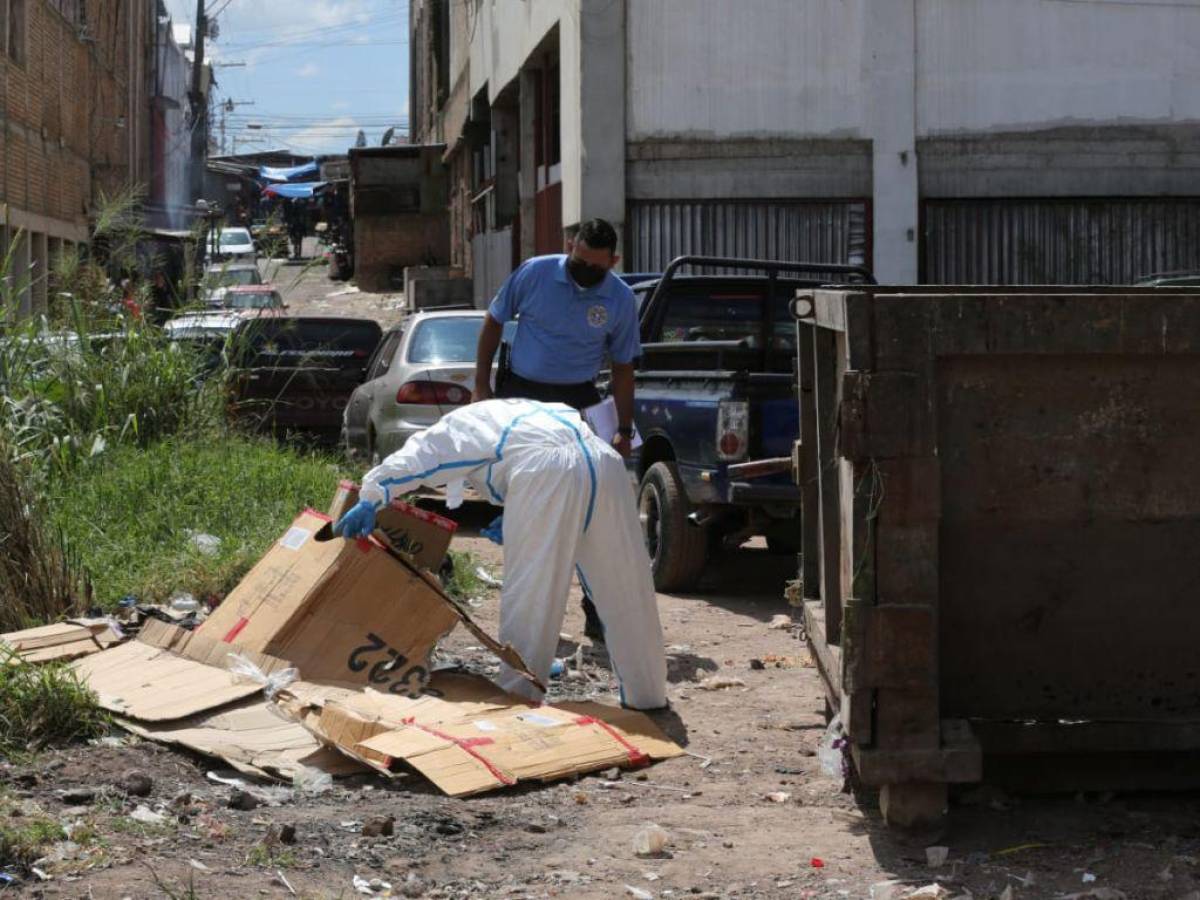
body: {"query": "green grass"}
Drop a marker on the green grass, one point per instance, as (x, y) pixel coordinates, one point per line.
(43, 706)
(130, 513)
(26, 840)
(465, 584)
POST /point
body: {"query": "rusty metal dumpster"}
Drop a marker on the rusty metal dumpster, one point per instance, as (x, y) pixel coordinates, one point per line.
(1001, 525)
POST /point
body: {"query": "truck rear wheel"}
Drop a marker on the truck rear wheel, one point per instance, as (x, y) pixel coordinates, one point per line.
(678, 549)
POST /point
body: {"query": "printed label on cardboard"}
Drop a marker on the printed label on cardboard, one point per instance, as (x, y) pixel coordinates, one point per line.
(295, 538)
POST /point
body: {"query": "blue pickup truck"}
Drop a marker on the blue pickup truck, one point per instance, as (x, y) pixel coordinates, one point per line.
(717, 410)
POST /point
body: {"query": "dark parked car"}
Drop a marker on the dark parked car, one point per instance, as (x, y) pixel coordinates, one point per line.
(293, 373)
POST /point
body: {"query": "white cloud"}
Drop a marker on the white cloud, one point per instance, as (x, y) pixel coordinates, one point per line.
(328, 136)
(308, 70)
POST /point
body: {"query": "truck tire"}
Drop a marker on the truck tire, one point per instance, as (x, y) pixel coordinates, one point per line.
(677, 548)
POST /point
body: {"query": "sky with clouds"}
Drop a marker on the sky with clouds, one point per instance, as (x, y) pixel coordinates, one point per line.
(316, 70)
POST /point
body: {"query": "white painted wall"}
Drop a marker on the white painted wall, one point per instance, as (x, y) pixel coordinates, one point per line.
(1004, 65)
(745, 68)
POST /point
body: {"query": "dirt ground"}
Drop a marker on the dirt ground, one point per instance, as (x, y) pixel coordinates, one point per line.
(576, 839)
(307, 290)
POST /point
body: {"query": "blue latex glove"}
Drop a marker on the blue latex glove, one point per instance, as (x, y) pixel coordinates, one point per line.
(359, 521)
(495, 531)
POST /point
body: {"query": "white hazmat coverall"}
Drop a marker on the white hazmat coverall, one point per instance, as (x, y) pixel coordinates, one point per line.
(568, 507)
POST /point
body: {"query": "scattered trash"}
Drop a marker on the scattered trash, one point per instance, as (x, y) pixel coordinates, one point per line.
(757, 665)
(240, 664)
(817, 863)
(780, 622)
(831, 752)
(199, 866)
(207, 544)
(720, 682)
(376, 887)
(487, 578)
(226, 780)
(650, 841)
(279, 879)
(77, 796)
(886, 890)
(147, 816)
(558, 668)
(936, 856)
(136, 784)
(312, 781)
(779, 796)
(638, 893)
(1088, 878)
(929, 892)
(41, 876)
(184, 603)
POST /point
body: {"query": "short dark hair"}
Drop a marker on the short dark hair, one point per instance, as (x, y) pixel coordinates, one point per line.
(598, 234)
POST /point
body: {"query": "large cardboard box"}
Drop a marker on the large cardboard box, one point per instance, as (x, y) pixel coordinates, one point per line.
(423, 535)
(339, 610)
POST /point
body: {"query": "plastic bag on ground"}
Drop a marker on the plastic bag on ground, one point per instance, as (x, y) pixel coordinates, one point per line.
(831, 752)
(650, 841)
(272, 684)
(312, 781)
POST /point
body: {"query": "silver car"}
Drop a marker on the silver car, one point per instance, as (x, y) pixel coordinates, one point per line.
(423, 368)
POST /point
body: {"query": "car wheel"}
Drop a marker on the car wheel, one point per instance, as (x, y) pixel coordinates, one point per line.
(678, 549)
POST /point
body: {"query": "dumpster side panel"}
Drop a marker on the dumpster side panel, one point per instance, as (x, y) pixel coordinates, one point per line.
(1070, 522)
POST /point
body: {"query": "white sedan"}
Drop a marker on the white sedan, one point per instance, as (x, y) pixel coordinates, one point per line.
(232, 243)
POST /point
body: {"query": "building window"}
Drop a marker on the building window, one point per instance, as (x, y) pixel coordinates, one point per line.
(12, 29)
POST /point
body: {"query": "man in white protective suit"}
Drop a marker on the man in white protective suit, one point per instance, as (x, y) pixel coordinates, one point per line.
(568, 508)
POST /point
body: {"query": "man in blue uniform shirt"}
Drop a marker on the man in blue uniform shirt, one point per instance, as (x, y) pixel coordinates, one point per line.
(574, 314)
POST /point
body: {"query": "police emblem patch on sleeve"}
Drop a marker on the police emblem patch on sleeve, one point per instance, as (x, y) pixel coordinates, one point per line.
(597, 316)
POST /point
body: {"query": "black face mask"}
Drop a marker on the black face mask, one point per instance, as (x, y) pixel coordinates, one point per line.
(584, 273)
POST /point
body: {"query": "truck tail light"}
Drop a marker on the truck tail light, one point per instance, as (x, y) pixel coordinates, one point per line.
(733, 430)
(432, 393)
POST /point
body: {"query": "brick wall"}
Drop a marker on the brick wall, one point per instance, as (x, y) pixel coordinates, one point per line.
(65, 109)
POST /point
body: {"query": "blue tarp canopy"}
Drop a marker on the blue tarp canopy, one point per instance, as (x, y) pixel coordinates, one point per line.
(302, 191)
(270, 173)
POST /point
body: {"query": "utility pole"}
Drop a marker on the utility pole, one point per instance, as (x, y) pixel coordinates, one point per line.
(198, 104)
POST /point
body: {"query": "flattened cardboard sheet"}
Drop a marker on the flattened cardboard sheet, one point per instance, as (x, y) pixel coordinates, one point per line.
(62, 641)
(469, 737)
(169, 673)
(253, 738)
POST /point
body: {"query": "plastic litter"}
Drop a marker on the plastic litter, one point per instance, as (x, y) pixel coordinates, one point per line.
(312, 781)
(831, 752)
(184, 603)
(638, 893)
(1088, 878)
(817, 863)
(558, 668)
(221, 779)
(936, 856)
(780, 622)
(147, 816)
(272, 684)
(487, 579)
(376, 887)
(929, 892)
(207, 544)
(650, 841)
(720, 682)
(779, 796)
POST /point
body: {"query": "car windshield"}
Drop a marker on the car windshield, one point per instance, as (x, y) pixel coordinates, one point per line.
(233, 236)
(445, 340)
(253, 300)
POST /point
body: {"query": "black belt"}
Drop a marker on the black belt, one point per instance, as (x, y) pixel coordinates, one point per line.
(580, 396)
